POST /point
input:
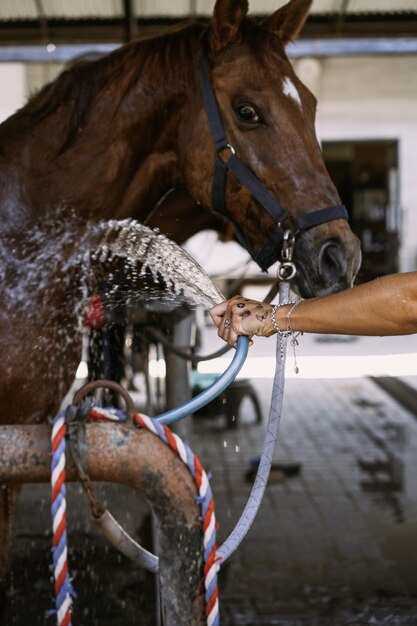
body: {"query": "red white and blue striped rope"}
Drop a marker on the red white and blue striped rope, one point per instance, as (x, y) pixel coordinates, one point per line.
(63, 590)
(206, 501)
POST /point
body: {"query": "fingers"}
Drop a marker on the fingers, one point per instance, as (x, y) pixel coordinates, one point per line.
(235, 317)
(217, 312)
(220, 310)
(231, 337)
(229, 331)
(226, 331)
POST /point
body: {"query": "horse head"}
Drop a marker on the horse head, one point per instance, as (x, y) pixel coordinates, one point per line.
(268, 120)
(109, 138)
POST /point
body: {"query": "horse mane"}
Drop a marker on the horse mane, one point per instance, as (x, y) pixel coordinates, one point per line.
(81, 83)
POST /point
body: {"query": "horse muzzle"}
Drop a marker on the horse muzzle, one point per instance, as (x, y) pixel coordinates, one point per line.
(326, 264)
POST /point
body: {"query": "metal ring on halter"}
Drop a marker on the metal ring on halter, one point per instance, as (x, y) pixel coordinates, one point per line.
(227, 146)
(106, 384)
(286, 271)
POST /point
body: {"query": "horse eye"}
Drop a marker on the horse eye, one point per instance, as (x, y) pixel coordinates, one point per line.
(247, 113)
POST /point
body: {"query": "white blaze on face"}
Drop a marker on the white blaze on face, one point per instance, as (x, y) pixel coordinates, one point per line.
(290, 90)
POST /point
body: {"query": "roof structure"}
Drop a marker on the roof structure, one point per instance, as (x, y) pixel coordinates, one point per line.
(107, 9)
(111, 22)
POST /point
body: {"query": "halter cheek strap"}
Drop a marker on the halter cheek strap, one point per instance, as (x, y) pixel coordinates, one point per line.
(267, 255)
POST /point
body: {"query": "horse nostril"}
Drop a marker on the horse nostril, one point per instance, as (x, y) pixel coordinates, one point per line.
(332, 264)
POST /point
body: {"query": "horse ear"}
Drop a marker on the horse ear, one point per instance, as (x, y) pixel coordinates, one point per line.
(226, 20)
(288, 20)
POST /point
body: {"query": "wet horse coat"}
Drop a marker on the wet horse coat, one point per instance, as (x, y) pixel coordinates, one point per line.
(107, 140)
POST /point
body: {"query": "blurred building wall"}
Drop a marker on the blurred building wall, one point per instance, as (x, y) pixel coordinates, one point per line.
(368, 98)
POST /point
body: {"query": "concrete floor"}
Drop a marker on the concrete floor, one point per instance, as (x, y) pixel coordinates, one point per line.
(344, 529)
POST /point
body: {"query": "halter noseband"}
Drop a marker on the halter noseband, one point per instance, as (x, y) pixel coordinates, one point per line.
(267, 255)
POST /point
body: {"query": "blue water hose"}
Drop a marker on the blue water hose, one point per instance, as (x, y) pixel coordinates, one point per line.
(206, 396)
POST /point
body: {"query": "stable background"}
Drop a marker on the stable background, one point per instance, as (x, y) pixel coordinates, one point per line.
(335, 544)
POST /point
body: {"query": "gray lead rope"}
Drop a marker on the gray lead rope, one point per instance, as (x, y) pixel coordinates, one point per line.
(271, 436)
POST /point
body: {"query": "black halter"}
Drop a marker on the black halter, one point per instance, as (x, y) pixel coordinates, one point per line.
(267, 255)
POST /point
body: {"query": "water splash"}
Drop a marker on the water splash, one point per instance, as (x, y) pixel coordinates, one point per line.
(153, 266)
(165, 270)
(28, 269)
(49, 271)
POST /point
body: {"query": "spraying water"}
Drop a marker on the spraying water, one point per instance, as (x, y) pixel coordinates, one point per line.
(164, 270)
(155, 267)
(49, 271)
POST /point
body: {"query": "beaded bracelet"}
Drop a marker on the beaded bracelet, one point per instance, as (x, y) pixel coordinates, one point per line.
(289, 327)
(289, 332)
(282, 333)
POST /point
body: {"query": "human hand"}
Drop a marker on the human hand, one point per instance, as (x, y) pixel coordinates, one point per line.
(241, 316)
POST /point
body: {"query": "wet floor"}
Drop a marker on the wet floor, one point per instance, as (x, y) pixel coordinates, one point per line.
(334, 545)
(109, 590)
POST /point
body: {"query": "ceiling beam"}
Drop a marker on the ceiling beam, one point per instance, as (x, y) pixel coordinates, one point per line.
(63, 31)
(300, 48)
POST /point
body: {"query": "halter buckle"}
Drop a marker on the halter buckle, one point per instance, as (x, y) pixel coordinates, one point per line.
(286, 268)
(288, 245)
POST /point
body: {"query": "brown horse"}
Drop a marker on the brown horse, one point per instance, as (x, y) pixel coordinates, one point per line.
(106, 140)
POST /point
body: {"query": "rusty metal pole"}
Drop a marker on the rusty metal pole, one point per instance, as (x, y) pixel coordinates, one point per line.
(133, 457)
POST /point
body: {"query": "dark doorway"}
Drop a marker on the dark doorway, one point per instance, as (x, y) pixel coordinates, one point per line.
(366, 176)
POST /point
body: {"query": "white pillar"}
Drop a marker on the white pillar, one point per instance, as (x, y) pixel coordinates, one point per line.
(12, 88)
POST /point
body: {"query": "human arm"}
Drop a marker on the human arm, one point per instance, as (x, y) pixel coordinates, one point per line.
(384, 306)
